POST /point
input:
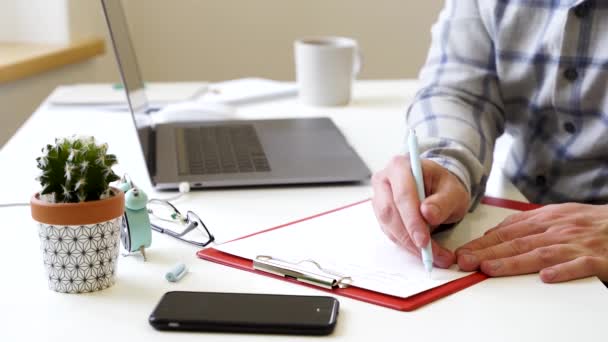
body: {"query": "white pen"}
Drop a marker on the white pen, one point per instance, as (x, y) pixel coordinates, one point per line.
(412, 142)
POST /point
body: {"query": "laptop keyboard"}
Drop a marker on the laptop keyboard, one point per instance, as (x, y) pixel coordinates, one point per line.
(220, 149)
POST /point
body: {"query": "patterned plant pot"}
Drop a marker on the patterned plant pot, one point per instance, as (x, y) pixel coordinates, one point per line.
(80, 242)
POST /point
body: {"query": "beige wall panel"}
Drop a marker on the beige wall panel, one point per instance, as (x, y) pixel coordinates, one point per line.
(180, 40)
(223, 39)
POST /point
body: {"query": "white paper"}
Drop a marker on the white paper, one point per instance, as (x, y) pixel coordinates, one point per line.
(107, 94)
(231, 92)
(350, 242)
(248, 90)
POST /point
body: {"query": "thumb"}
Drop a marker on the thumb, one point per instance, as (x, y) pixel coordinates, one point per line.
(447, 204)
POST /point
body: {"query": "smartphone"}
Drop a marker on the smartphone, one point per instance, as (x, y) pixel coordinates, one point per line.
(245, 312)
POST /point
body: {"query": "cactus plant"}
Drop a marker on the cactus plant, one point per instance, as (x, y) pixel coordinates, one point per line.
(76, 169)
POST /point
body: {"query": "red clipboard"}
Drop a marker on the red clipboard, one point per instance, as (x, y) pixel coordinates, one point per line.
(397, 303)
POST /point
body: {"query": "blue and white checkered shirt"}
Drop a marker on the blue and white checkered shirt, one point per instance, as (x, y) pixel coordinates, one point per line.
(537, 69)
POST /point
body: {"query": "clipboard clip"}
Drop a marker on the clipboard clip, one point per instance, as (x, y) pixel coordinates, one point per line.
(320, 277)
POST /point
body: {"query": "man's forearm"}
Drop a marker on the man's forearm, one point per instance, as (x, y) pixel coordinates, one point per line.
(458, 113)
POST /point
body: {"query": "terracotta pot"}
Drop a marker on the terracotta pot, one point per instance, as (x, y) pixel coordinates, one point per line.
(80, 242)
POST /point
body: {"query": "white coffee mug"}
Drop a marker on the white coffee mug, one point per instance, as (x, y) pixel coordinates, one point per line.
(325, 69)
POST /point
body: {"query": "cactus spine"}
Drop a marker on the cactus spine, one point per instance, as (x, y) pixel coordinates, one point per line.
(76, 169)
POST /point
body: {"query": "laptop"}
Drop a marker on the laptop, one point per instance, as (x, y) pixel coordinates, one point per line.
(230, 153)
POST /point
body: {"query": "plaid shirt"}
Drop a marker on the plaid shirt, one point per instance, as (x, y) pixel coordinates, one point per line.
(536, 69)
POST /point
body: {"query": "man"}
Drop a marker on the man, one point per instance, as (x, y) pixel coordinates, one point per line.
(539, 71)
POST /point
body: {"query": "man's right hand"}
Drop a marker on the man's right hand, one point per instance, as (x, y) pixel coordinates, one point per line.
(401, 215)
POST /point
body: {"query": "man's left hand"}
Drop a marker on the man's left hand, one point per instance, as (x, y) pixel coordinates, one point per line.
(561, 241)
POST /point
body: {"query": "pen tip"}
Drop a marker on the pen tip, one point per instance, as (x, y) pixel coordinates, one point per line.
(428, 266)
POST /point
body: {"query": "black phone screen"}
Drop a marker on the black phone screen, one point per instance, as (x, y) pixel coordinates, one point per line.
(242, 312)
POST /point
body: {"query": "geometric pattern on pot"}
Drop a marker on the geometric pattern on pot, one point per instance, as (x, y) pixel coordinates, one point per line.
(81, 258)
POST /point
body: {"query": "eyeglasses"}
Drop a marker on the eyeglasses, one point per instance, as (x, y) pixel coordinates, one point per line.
(162, 210)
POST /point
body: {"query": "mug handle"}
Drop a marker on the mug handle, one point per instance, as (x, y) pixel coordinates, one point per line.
(358, 62)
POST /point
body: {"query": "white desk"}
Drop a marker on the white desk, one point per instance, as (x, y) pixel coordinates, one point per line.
(505, 309)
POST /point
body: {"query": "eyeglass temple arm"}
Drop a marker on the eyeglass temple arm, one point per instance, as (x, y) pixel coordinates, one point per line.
(189, 227)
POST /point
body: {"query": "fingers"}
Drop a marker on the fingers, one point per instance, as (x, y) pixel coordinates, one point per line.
(387, 215)
(471, 260)
(511, 219)
(442, 257)
(580, 267)
(550, 215)
(397, 209)
(405, 197)
(501, 235)
(448, 202)
(530, 262)
(391, 224)
(556, 263)
(562, 241)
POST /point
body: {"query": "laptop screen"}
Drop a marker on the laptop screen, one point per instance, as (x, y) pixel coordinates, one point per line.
(131, 76)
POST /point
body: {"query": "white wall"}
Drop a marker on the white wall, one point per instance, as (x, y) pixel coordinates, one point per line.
(48, 23)
(213, 40)
(222, 39)
(20, 98)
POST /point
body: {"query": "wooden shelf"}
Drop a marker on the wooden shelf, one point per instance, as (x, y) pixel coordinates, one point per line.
(21, 60)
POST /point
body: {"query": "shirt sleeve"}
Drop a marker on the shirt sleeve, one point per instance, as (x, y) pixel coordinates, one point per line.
(458, 112)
